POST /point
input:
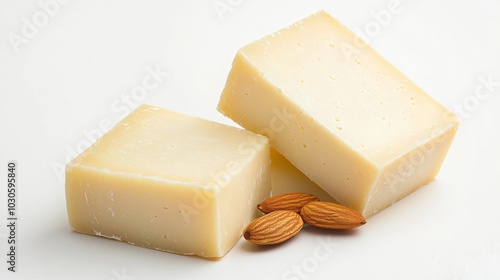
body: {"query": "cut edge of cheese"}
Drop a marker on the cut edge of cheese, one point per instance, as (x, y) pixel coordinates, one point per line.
(411, 171)
(286, 178)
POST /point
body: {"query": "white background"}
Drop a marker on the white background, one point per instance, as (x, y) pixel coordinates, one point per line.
(66, 80)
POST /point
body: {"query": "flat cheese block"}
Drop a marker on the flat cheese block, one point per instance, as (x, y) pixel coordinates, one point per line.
(339, 112)
(170, 182)
(285, 178)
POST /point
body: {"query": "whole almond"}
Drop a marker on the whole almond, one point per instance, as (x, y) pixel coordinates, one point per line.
(289, 201)
(331, 215)
(273, 228)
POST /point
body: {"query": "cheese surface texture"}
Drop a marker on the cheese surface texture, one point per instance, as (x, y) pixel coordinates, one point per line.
(339, 112)
(286, 178)
(169, 182)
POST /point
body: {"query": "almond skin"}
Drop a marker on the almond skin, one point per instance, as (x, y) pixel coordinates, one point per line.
(273, 228)
(289, 201)
(331, 215)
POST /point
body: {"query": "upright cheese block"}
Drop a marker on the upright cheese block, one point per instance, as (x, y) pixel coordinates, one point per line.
(169, 182)
(339, 112)
(285, 178)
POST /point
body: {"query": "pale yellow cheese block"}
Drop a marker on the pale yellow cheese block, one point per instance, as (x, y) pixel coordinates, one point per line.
(170, 182)
(339, 112)
(285, 178)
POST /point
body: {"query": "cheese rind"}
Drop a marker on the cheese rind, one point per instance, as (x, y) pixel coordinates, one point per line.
(340, 113)
(170, 182)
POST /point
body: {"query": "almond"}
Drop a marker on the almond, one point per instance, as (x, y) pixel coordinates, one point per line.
(289, 201)
(331, 215)
(273, 228)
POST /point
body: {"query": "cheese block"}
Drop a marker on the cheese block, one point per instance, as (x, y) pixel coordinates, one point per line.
(339, 112)
(285, 178)
(169, 182)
